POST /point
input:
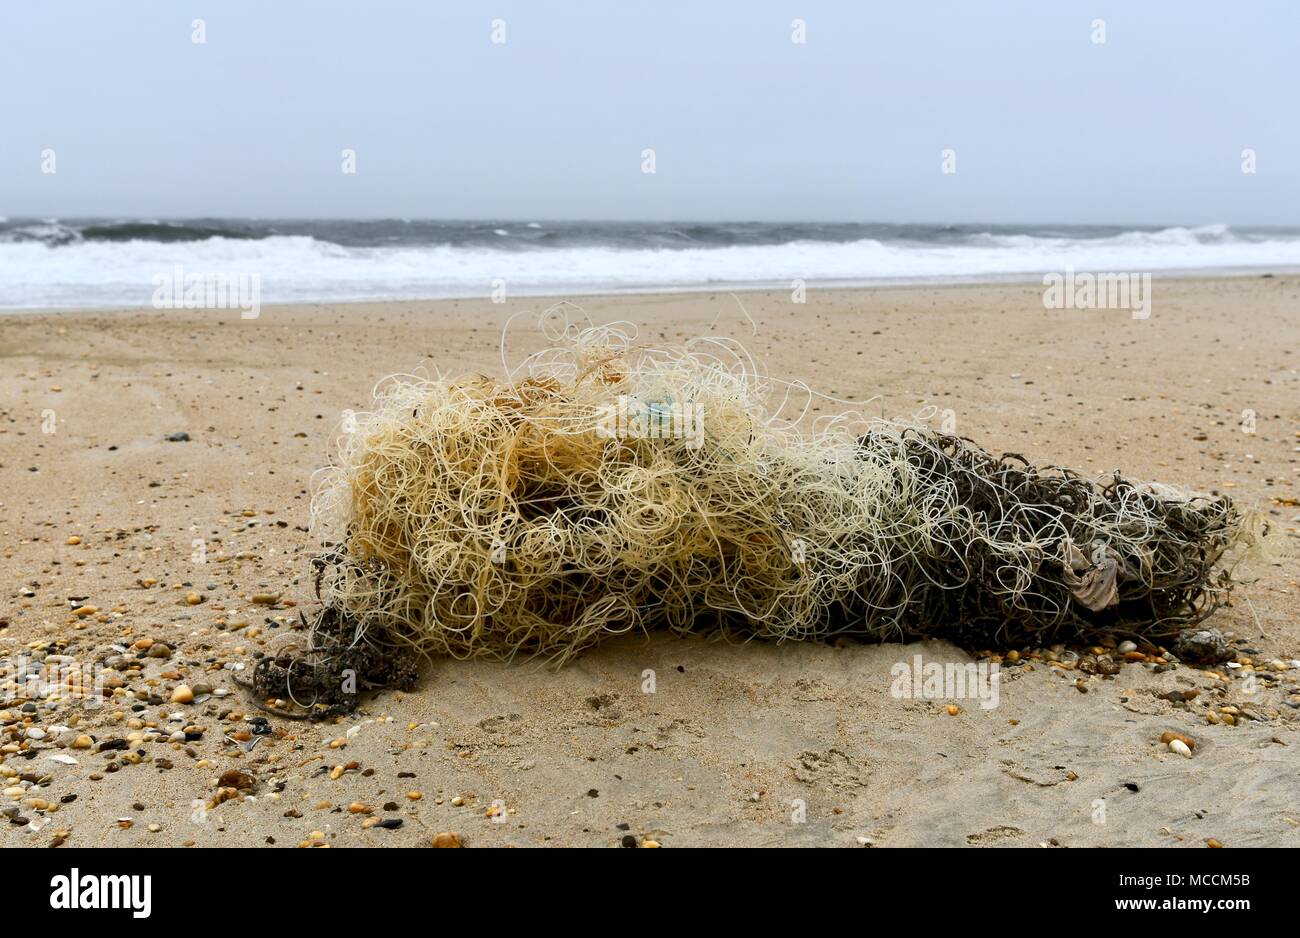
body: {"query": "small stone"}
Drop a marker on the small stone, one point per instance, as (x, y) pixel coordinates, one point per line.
(193, 598)
(1125, 647)
(953, 710)
(183, 694)
(1180, 747)
(1201, 646)
(82, 742)
(178, 437)
(446, 839)
(240, 781)
(457, 801)
(74, 541)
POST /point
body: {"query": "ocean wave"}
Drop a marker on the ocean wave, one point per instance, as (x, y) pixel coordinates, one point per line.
(51, 264)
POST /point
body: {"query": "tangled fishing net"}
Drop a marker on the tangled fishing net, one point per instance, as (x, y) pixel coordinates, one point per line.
(603, 487)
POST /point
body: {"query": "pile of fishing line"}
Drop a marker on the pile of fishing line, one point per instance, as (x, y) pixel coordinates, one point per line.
(603, 487)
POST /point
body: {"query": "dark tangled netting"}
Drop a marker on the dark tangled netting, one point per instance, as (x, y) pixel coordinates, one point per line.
(1045, 555)
(327, 679)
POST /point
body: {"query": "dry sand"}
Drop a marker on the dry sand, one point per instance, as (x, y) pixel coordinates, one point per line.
(735, 737)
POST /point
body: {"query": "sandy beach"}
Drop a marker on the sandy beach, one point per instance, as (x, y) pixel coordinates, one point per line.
(753, 744)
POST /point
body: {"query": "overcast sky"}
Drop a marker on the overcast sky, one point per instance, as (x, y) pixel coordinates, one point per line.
(1047, 125)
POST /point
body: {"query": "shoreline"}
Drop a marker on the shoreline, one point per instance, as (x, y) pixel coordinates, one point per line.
(1171, 275)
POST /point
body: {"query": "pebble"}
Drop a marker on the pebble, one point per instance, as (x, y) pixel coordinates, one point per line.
(1180, 747)
(240, 781)
(446, 839)
(183, 694)
(82, 742)
(1126, 647)
(1201, 646)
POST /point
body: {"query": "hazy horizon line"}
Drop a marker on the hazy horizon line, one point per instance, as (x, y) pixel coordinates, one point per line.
(641, 220)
